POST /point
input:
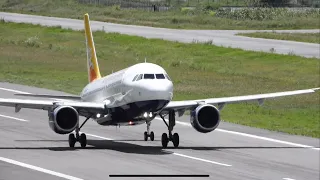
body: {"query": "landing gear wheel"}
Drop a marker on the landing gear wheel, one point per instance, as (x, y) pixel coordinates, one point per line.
(83, 140)
(152, 136)
(72, 140)
(164, 140)
(145, 136)
(175, 140)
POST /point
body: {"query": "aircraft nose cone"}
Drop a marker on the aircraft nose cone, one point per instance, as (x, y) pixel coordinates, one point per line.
(158, 90)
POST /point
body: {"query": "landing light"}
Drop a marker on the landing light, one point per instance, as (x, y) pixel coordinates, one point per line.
(130, 122)
(150, 114)
(145, 114)
(98, 115)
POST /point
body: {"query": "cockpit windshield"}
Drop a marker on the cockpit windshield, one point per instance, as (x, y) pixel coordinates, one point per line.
(148, 76)
(160, 76)
(151, 76)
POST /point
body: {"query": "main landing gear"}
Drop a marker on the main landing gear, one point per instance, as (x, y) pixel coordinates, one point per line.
(172, 137)
(148, 133)
(82, 138)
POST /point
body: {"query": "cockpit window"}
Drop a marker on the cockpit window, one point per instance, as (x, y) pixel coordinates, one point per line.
(139, 77)
(148, 76)
(160, 76)
(135, 77)
(167, 76)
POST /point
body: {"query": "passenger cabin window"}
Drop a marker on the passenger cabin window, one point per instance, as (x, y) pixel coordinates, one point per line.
(135, 77)
(139, 77)
(148, 76)
(160, 76)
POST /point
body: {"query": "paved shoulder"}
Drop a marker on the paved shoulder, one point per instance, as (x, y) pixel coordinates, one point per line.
(218, 37)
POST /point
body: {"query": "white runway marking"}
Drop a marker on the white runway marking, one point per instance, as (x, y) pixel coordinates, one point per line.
(177, 154)
(226, 131)
(288, 179)
(38, 169)
(98, 136)
(9, 117)
(15, 91)
(254, 136)
(199, 159)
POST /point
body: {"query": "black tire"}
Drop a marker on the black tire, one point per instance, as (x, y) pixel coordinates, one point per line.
(164, 140)
(72, 140)
(152, 136)
(83, 140)
(145, 136)
(175, 140)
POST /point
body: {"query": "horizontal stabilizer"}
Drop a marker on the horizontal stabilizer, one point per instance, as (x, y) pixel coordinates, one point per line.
(51, 96)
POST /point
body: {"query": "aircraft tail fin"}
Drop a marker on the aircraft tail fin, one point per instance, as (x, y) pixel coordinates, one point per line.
(93, 67)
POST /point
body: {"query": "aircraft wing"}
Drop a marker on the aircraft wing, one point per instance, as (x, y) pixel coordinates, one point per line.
(78, 98)
(189, 104)
(84, 108)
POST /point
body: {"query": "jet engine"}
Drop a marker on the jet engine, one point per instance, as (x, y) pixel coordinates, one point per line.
(63, 119)
(205, 118)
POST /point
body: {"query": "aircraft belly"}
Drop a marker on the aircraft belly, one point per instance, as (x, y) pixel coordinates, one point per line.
(134, 112)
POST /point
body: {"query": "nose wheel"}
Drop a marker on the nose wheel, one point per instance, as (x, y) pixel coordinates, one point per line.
(147, 134)
(174, 138)
(82, 138)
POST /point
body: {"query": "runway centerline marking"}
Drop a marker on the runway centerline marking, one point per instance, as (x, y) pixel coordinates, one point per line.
(226, 131)
(254, 136)
(174, 153)
(11, 161)
(288, 179)
(10, 117)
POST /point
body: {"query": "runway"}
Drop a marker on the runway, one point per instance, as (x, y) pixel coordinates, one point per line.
(29, 149)
(225, 38)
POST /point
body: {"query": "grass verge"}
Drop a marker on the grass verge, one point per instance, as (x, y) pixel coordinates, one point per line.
(301, 37)
(204, 16)
(55, 58)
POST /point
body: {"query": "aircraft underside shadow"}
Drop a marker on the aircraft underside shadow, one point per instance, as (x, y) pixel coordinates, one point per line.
(122, 146)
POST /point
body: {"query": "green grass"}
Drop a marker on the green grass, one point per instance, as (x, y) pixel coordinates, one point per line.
(301, 37)
(55, 58)
(203, 17)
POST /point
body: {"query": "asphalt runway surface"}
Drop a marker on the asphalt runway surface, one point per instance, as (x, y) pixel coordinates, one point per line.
(29, 149)
(225, 38)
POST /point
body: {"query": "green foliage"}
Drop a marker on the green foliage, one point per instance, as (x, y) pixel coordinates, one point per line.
(188, 11)
(33, 41)
(266, 13)
(116, 7)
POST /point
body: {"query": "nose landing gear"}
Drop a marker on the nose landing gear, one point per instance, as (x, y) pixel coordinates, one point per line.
(148, 133)
(172, 137)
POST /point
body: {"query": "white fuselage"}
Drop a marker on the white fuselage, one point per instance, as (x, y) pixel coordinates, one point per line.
(136, 88)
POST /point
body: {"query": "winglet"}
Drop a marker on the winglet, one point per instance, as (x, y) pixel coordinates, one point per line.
(93, 67)
(316, 89)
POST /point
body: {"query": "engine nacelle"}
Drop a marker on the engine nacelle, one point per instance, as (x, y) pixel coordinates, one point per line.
(63, 119)
(205, 118)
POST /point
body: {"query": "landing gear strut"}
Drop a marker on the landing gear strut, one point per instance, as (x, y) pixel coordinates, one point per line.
(148, 133)
(82, 138)
(172, 137)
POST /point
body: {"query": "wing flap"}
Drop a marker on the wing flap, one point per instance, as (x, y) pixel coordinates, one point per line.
(259, 97)
(78, 98)
(176, 105)
(46, 105)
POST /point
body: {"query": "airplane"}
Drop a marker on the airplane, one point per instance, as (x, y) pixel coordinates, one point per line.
(132, 96)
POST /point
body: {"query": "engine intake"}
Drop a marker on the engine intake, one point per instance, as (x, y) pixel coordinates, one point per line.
(205, 118)
(63, 119)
